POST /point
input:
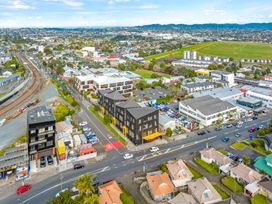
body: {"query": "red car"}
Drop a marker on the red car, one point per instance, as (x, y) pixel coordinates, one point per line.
(23, 189)
(251, 130)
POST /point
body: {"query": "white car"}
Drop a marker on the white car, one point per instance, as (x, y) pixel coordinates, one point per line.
(249, 119)
(66, 189)
(83, 123)
(128, 156)
(154, 149)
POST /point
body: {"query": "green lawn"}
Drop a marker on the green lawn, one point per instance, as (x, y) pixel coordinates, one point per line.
(236, 50)
(232, 184)
(108, 126)
(259, 199)
(238, 145)
(225, 152)
(148, 73)
(222, 193)
(195, 173)
(211, 168)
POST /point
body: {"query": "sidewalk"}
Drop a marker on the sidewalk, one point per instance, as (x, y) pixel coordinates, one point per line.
(216, 179)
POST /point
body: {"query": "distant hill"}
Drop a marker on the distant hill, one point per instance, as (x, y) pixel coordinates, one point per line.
(263, 26)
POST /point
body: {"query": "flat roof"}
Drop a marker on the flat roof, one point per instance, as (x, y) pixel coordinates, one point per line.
(198, 84)
(141, 112)
(208, 105)
(222, 92)
(249, 100)
(40, 114)
(263, 91)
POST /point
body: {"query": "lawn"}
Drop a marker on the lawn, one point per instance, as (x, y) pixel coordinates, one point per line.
(236, 50)
(238, 145)
(148, 73)
(108, 126)
(258, 198)
(225, 152)
(211, 168)
(222, 193)
(232, 184)
(195, 173)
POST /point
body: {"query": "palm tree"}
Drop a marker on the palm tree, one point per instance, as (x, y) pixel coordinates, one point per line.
(84, 184)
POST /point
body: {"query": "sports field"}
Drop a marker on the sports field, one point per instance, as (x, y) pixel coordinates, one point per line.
(236, 50)
(147, 74)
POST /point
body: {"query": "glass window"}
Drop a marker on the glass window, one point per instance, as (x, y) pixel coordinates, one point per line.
(49, 143)
(32, 131)
(41, 130)
(50, 128)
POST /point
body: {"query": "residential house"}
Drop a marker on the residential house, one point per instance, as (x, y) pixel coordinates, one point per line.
(264, 164)
(183, 198)
(160, 186)
(265, 188)
(179, 173)
(109, 193)
(203, 191)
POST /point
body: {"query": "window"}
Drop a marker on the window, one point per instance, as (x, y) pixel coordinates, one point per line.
(41, 138)
(32, 148)
(41, 146)
(49, 143)
(50, 128)
(41, 130)
(50, 135)
(32, 139)
(32, 131)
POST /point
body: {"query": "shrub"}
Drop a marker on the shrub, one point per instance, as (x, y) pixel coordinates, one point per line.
(126, 199)
(61, 111)
(163, 167)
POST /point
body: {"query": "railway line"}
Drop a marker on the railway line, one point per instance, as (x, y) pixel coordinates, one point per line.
(32, 90)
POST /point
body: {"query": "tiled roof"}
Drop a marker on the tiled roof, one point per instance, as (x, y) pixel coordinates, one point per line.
(110, 193)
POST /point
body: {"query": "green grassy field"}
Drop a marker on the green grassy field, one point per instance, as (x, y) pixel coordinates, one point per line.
(147, 73)
(236, 50)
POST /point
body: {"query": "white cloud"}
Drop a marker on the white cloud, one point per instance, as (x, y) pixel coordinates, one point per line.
(270, 16)
(149, 6)
(117, 1)
(73, 3)
(18, 5)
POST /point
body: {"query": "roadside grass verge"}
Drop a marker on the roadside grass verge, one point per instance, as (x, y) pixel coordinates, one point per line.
(211, 168)
(108, 126)
(222, 193)
(195, 173)
(259, 199)
(232, 184)
(238, 145)
(225, 152)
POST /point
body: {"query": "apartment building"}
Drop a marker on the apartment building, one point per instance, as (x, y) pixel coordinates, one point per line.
(105, 82)
(220, 76)
(196, 87)
(41, 132)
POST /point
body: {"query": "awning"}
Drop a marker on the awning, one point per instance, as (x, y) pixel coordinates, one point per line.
(152, 136)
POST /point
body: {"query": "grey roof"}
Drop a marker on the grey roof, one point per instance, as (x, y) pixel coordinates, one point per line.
(221, 92)
(141, 112)
(198, 84)
(249, 100)
(208, 105)
(14, 156)
(164, 119)
(40, 114)
(128, 104)
(266, 184)
(153, 93)
(114, 95)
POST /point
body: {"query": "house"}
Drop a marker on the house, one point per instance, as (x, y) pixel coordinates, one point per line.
(109, 193)
(264, 164)
(41, 132)
(265, 188)
(212, 155)
(183, 198)
(203, 191)
(244, 174)
(179, 173)
(200, 110)
(160, 186)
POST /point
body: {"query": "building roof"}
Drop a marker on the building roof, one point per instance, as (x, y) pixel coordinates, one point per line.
(263, 91)
(246, 173)
(204, 104)
(160, 184)
(221, 93)
(141, 111)
(114, 95)
(268, 158)
(110, 193)
(198, 84)
(260, 164)
(165, 119)
(178, 170)
(266, 184)
(40, 114)
(183, 198)
(212, 153)
(128, 104)
(14, 156)
(203, 191)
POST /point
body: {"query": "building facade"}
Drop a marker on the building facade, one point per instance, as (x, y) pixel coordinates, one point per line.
(41, 132)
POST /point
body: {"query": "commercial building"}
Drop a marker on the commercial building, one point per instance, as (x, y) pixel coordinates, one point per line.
(139, 124)
(15, 163)
(220, 76)
(40, 132)
(105, 82)
(196, 87)
(249, 102)
(207, 110)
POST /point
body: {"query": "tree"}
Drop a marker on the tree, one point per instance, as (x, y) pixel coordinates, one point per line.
(84, 185)
(163, 65)
(141, 84)
(212, 67)
(64, 197)
(168, 132)
(122, 67)
(96, 107)
(91, 199)
(246, 160)
(107, 119)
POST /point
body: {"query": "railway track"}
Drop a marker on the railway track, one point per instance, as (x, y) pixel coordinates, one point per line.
(32, 90)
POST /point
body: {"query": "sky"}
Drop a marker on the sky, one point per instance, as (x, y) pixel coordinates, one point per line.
(82, 13)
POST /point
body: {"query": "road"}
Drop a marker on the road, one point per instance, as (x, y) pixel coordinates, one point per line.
(114, 165)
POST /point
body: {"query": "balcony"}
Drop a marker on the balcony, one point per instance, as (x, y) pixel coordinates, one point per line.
(46, 132)
(37, 142)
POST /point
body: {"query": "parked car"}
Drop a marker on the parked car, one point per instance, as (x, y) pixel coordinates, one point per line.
(83, 123)
(217, 129)
(203, 132)
(225, 139)
(238, 134)
(50, 160)
(23, 189)
(154, 149)
(128, 156)
(251, 129)
(240, 161)
(255, 118)
(95, 181)
(42, 162)
(239, 125)
(229, 125)
(230, 155)
(66, 189)
(78, 166)
(249, 119)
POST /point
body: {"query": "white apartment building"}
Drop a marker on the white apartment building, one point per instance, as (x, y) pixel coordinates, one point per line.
(190, 54)
(223, 76)
(104, 82)
(207, 110)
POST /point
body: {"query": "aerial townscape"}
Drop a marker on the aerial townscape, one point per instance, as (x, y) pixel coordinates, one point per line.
(135, 102)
